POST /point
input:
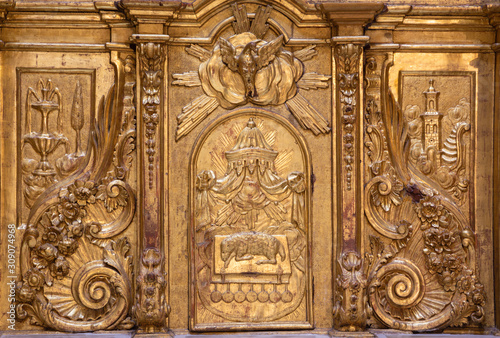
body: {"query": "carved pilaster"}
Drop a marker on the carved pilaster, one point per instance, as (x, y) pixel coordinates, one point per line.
(349, 310)
(151, 309)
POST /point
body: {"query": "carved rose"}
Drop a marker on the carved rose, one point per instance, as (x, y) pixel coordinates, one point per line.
(52, 235)
(47, 252)
(34, 279)
(478, 296)
(60, 268)
(429, 211)
(275, 83)
(439, 239)
(68, 209)
(68, 246)
(76, 228)
(81, 192)
(24, 293)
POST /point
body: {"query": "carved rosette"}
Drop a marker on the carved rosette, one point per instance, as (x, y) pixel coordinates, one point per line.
(152, 58)
(76, 272)
(421, 270)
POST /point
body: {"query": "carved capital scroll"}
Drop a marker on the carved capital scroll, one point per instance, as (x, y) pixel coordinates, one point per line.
(151, 309)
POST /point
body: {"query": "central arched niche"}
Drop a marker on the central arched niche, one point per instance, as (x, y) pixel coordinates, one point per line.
(250, 225)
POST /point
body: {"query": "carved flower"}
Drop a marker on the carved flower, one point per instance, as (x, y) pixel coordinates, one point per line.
(447, 281)
(465, 283)
(429, 211)
(81, 192)
(48, 252)
(76, 228)
(68, 209)
(434, 261)
(60, 268)
(275, 82)
(68, 246)
(477, 295)
(52, 235)
(34, 279)
(439, 239)
(113, 193)
(24, 293)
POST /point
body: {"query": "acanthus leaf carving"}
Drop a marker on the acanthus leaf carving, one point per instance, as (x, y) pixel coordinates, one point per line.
(152, 57)
(347, 58)
(151, 308)
(351, 310)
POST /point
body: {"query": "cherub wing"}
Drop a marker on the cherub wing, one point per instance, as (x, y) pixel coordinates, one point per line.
(268, 52)
(228, 54)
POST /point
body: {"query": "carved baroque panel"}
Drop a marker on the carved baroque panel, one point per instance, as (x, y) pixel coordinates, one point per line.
(422, 270)
(254, 165)
(56, 107)
(250, 231)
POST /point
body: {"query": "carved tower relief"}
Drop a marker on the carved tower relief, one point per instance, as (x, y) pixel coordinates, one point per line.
(421, 259)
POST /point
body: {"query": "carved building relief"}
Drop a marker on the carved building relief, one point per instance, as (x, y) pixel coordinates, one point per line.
(422, 270)
(250, 225)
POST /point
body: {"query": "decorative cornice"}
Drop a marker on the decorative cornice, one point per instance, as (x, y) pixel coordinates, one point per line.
(351, 13)
(151, 11)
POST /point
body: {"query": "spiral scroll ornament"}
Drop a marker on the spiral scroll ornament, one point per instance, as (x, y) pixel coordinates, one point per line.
(399, 284)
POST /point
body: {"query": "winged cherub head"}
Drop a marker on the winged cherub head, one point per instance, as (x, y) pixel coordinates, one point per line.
(251, 59)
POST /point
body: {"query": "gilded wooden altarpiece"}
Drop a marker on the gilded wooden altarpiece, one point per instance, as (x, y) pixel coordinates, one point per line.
(253, 165)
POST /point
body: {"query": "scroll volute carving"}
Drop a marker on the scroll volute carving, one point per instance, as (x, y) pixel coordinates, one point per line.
(250, 230)
(422, 272)
(76, 272)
